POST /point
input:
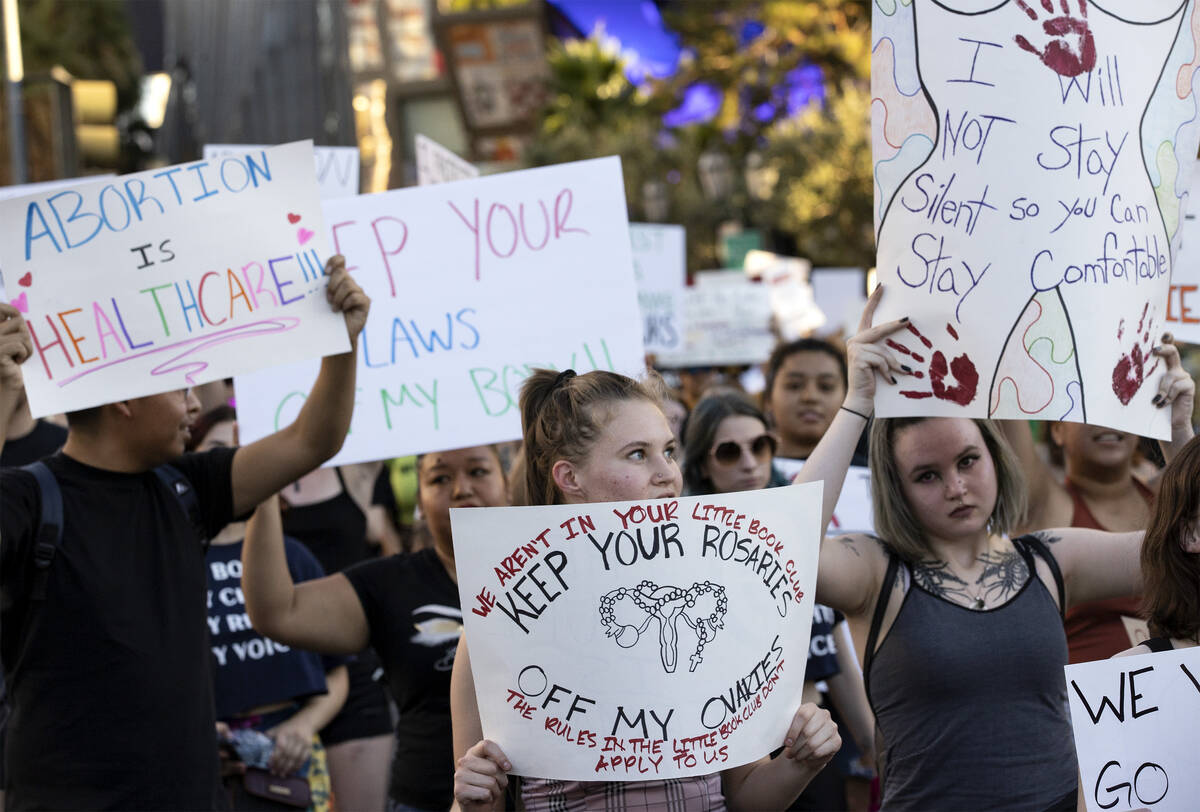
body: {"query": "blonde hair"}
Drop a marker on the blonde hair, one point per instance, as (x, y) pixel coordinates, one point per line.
(563, 414)
(895, 521)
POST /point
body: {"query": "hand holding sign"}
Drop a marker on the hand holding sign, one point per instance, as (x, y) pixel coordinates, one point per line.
(346, 297)
(866, 354)
(15, 346)
(479, 777)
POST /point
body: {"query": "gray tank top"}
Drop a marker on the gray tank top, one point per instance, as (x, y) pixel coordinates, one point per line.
(972, 704)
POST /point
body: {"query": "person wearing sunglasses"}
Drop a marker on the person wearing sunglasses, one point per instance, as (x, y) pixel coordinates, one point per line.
(727, 447)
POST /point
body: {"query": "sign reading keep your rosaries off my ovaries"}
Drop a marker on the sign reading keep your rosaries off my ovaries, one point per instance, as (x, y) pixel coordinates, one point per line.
(168, 278)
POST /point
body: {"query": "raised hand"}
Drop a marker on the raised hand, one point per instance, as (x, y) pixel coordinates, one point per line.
(345, 296)
(1069, 48)
(866, 355)
(480, 780)
(15, 346)
(1176, 386)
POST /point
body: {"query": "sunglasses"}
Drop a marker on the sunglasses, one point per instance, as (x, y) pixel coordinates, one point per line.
(762, 448)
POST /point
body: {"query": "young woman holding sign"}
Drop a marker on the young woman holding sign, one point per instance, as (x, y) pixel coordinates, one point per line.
(959, 624)
(405, 606)
(1171, 558)
(602, 437)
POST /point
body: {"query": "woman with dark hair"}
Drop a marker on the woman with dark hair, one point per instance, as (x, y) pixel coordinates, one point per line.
(1171, 558)
(602, 437)
(405, 606)
(805, 385)
(287, 694)
(727, 447)
(958, 623)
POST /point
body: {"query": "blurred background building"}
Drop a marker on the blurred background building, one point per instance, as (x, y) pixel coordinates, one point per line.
(744, 120)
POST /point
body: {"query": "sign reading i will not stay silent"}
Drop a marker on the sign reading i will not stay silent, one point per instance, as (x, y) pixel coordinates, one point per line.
(639, 640)
(168, 278)
(1135, 730)
(473, 284)
(337, 168)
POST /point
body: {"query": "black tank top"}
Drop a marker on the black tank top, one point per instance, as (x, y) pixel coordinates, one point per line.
(334, 530)
(972, 704)
(1157, 644)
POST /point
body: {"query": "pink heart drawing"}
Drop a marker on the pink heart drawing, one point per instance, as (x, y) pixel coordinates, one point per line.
(293, 218)
(26, 280)
(304, 235)
(20, 303)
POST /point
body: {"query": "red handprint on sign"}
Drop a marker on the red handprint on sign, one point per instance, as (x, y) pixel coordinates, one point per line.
(1130, 372)
(956, 381)
(1070, 49)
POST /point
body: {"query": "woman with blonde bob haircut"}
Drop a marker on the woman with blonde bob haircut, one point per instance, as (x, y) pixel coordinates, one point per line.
(959, 625)
(894, 518)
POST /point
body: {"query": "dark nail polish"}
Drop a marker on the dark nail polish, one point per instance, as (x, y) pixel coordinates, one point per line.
(907, 369)
(892, 379)
(1157, 400)
(904, 320)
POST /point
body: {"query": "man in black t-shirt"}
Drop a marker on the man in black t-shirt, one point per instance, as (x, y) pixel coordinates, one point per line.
(108, 675)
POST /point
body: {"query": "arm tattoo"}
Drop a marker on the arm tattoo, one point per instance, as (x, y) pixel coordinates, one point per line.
(1046, 537)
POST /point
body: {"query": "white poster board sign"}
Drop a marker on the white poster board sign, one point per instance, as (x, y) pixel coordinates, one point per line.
(1136, 731)
(792, 301)
(1028, 198)
(660, 268)
(473, 284)
(841, 296)
(169, 278)
(854, 512)
(1183, 302)
(337, 167)
(727, 320)
(639, 640)
(437, 164)
(23, 189)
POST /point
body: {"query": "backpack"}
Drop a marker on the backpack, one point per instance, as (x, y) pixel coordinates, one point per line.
(49, 532)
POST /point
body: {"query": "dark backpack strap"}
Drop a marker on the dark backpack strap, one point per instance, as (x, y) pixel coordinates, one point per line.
(1157, 644)
(181, 488)
(881, 605)
(1032, 544)
(49, 533)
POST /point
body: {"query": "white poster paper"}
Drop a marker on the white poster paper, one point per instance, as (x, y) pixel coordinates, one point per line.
(841, 295)
(1183, 302)
(792, 301)
(170, 277)
(660, 268)
(1135, 730)
(639, 640)
(436, 164)
(854, 512)
(727, 320)
(337, 167)
(1028, 193)
(473, 285)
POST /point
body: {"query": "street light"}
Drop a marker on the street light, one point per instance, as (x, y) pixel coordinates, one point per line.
(15, 69)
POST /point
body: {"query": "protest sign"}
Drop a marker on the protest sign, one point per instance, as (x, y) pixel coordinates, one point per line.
(1183, 301)
(1135, 730)
(854, 512)
(639, 640)
(660, 269)
(436, 164)
(726, 320)
(23, 189)
(841, 296)
(170, 277)
(791, 296)
(473, 284)
(337, 167)
(1028, 192)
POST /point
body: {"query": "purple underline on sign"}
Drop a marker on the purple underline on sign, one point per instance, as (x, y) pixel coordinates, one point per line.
(266, 327)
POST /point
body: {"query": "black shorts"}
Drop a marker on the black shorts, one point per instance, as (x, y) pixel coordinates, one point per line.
(366, 713)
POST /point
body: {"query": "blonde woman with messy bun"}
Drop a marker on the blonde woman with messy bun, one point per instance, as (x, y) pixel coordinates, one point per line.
(602, 437)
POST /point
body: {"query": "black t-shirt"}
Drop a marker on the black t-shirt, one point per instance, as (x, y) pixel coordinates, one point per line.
(111, 693)
(413, 610)
(44, 440)
(822, 645)
(249, 669)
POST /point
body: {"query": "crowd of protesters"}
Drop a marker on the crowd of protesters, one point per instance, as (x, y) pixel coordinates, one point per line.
(188, 623)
